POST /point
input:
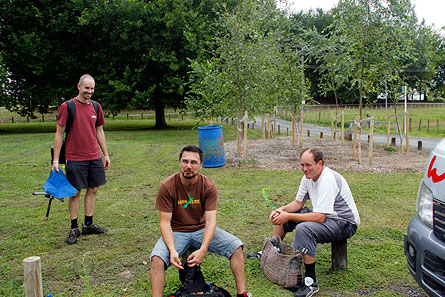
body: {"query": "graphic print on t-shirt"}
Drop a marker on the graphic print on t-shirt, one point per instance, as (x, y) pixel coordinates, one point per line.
(189, 201)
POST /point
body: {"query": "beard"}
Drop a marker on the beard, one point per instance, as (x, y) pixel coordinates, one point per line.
(191, 176)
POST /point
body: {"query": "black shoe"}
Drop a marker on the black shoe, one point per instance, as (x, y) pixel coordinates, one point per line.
(92, 229)
(308, 289)
(253, 255)
(72, 237)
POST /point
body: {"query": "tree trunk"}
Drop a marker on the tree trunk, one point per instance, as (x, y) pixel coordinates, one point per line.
(160, 116)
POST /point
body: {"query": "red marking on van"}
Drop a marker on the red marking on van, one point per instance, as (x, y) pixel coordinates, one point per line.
(432, 172)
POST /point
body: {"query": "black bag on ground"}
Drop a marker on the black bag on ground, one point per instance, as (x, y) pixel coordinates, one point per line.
(193, 284)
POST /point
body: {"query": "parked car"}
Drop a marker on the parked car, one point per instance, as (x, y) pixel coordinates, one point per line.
(425, 237)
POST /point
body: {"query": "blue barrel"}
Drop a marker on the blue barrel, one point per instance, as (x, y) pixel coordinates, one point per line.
(211, 142)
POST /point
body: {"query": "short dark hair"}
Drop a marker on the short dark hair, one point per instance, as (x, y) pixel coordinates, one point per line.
(318, 155)
(192, 148)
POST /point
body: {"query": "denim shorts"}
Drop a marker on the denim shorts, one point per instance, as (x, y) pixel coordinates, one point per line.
(85, 174)
(223, 243)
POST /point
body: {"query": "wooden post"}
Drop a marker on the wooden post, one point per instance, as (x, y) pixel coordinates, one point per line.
(332, 127)
(301, 127)
(293, 130)
(238, 133)
(419, 145)
(319, 118)
(339, 254)
(371, 136)
(32, 277)
(127, 116)
(428, 127)
(321, 135)
(287, 131)
(245, 135)
(278, 129)
(268, 126)
(142, 116)
(420, 124)
(393, 141)
(263, 127)
(354, 141)
(407, 136)
(388, 130)
(274, 127)
(437, 126)
(343, 126)
(308, 133)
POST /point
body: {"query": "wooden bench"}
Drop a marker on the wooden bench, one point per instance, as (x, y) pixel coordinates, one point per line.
(339, 254)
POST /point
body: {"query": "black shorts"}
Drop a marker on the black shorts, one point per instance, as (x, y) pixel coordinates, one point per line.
(85, 174)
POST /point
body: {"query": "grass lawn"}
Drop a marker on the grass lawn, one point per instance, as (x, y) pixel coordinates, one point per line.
(117, 263)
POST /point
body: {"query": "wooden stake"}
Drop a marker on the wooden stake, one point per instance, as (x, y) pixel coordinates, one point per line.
(354, 141)
(245, 135)
(238, 135)
(343, 126)
(301, 128)
(274, 127)
(32, 277)
(263, 127)
(371, 136)
(407, 137)
(294, 125)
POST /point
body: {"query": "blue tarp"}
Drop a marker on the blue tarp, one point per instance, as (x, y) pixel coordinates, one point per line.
(58, 185)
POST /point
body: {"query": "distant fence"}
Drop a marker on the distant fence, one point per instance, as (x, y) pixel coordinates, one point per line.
(131, 115)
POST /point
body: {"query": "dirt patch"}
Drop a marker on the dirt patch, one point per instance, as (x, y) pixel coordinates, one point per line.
(279, 154)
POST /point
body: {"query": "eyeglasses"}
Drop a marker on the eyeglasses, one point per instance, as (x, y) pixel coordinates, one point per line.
(186, 162)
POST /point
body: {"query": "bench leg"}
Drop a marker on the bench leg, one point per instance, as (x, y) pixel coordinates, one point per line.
(339, 251)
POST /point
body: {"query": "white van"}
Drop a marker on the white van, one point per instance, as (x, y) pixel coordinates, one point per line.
(425, 237)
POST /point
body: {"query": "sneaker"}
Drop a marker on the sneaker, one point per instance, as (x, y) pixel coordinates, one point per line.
(245, 294)
(308, 289)
(253, 255)
(92, 229)
(72, 237)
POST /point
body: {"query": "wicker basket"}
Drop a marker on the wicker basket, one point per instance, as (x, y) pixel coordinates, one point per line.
(284, 267)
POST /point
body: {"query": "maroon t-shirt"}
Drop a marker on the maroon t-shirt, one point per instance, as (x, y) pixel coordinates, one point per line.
(81, 144)
(187, 203)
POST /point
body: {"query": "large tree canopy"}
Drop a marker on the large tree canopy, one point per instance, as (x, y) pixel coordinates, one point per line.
(141, 52)
(137, 51)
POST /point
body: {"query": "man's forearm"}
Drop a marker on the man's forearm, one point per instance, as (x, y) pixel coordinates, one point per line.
(209, 231)
(101, 140)
(167, 236)
(307, 217)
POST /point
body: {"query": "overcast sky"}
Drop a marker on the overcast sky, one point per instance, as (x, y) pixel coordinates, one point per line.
(431, 10)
